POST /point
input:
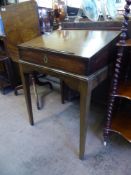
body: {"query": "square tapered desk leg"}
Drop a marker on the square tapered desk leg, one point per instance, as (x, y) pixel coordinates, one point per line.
(83, 84)
(85, 97)
(85, 94)
(26, 87)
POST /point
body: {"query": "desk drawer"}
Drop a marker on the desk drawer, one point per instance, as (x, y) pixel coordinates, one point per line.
(54, 60)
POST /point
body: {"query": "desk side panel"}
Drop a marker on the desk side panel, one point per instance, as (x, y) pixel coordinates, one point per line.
(103, 58)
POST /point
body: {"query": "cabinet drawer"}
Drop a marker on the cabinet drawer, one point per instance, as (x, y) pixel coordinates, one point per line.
(54, 60)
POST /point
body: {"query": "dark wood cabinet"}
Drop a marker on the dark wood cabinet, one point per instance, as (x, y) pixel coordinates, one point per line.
(121, 117)
(119, 107)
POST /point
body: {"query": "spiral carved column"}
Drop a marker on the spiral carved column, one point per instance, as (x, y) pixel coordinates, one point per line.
(118, 65)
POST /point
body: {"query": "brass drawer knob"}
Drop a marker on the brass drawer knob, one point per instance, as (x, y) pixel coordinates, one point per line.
(45, 59)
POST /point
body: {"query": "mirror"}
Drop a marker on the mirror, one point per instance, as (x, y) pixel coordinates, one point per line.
(7, 2)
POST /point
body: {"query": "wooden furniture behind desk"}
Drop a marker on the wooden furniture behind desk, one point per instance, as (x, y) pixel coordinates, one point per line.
(119, 114)
(119, 109)
(80, 58)
(6, 69)
(90, 25)
(21, 24)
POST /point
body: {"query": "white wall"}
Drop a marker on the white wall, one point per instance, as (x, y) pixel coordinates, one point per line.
(48, 3)
(43, 3)
(22, 0)
(72, 3)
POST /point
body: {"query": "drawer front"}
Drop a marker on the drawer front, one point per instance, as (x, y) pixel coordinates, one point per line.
(53, 60)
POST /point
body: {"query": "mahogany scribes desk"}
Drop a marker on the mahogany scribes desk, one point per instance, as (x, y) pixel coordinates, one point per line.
(78, 57)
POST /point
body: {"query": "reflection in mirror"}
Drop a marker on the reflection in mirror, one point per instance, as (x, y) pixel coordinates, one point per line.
(92, 10)
(7, 2)
(95, 10)
(1, 27)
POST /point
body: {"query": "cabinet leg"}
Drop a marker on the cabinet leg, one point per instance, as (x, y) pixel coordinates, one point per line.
(108, 121)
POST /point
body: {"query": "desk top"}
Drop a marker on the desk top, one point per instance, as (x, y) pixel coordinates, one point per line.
(82, 43)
